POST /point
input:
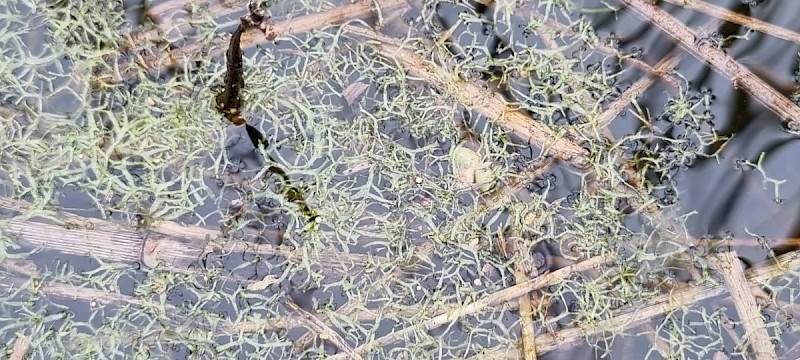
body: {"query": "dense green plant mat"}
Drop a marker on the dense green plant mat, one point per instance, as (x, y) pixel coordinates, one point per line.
(430, 203)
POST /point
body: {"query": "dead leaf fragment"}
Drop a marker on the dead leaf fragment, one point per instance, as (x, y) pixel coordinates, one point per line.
(353, 91)
(263, 283)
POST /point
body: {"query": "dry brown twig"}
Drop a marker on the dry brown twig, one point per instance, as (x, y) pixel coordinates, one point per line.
(522, 265)
(730, 267)
(736, 18)
(740, 75)
(287, 27)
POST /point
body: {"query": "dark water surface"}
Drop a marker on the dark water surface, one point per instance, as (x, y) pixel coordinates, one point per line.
(729, 200)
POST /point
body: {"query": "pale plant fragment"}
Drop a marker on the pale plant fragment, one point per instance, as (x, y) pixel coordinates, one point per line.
(353, 91)
(21, 346)
(264, 283)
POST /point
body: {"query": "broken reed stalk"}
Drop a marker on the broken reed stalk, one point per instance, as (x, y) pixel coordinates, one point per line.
(167, 245)
(652, 70)
(555, 142)
(730, 267)
(526, 320)
(586, 99)
(567, 31)
(740, 76)
(736, 18)
(634, 315)
(502, 296)
(25, 270)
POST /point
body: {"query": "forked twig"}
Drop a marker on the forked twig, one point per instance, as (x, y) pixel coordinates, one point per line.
(470, 95)
(315, 324)
(637, 89)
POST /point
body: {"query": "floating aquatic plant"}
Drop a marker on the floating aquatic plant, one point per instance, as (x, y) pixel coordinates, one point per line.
(436, 215)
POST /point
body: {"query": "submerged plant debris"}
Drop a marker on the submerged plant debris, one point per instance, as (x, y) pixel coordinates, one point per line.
(416, 211)
(229, 100)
